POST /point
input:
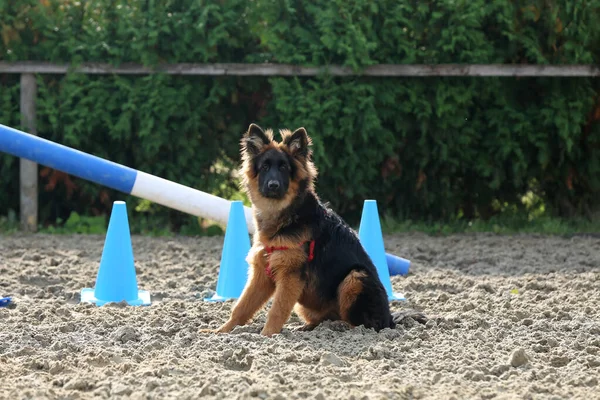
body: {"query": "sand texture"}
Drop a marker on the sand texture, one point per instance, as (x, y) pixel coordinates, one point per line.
(511, 318)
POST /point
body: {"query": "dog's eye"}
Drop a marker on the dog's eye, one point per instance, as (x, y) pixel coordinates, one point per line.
(264, 167)
(283, 167)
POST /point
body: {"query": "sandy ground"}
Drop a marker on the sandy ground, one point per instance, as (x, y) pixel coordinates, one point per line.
(511, 317)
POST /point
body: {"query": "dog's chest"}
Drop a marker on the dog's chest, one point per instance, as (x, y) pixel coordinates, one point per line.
(289, 260)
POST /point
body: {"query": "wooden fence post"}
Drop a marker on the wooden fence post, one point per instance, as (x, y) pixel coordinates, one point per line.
(28, 169)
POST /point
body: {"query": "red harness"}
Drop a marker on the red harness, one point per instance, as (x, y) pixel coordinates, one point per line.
(269, 250)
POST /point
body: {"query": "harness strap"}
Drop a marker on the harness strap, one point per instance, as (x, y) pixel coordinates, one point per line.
(271, 249)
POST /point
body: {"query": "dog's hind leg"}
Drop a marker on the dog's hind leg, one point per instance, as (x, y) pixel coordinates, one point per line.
(348, 292)
(363, 301)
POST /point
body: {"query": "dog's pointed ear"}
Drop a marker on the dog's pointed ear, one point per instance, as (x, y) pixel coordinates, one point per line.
(254, 140)
(298, 143)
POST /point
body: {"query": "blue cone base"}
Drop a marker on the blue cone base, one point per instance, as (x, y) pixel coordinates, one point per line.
(5, 301)
(397, 297)
(216, 298)
(88, 295)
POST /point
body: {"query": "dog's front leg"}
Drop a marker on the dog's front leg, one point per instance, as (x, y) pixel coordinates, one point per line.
(287, 293)
(256, 293)
(254, 296)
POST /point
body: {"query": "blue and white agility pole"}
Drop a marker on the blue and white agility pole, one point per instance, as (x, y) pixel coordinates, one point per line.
(131, 181)
(116, 176)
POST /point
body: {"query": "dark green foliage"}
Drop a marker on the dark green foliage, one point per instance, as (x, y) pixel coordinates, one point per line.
(425, 148)
(179, 128)
(441, 147)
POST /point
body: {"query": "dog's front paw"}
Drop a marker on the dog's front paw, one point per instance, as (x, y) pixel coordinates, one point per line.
(269, 332)
(225, 328)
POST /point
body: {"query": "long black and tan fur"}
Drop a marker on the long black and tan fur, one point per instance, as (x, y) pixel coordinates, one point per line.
(303, 255)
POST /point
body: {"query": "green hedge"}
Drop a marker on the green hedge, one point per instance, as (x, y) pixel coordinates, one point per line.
(425, 148)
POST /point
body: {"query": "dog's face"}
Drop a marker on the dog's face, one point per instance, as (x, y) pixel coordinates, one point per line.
(276, 172)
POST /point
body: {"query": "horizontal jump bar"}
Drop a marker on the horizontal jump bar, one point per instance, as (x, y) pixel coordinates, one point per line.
(117, 176)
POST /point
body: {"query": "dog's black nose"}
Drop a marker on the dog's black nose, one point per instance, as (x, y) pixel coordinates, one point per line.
(273, 185)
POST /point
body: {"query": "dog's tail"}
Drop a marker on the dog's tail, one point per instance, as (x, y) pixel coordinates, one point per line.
(417, 316)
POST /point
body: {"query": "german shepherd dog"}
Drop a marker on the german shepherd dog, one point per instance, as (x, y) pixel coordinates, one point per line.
(303, 254)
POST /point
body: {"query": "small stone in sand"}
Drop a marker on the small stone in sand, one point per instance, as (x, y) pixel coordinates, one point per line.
(331, 359)
(125, 334)
(518, 358)
(120, 389)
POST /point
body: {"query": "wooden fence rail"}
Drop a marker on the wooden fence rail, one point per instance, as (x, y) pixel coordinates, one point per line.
(27, 70)
(382, 70)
